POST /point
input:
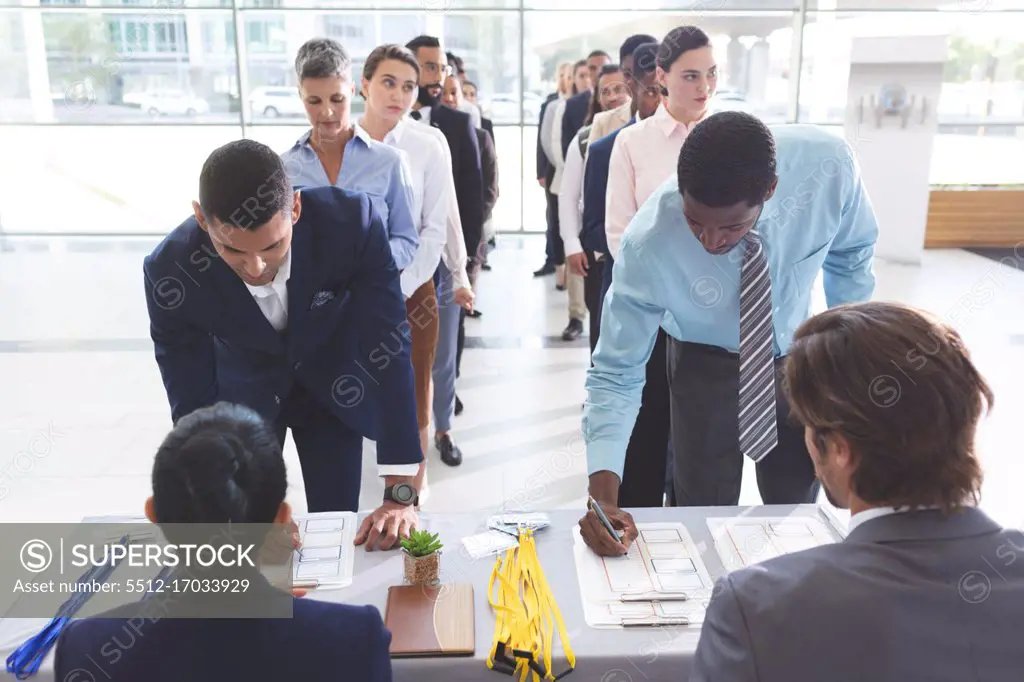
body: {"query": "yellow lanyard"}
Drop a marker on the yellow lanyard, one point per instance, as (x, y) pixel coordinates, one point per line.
(525, 612)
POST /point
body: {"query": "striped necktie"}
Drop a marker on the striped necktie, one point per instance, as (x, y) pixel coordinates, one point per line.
(757, 420)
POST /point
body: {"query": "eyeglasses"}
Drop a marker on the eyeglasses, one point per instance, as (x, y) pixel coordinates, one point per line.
(433, 68)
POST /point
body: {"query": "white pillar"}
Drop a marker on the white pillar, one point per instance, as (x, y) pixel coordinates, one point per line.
(736, 59)
(830, 54)
(35, 61)
(894, 151)
(758, 66)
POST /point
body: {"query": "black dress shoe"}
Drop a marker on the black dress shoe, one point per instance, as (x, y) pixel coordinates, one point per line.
(458, 406)
(450, 452)
(573, 331)
(474, 313)
(485, 266)
(548, 269)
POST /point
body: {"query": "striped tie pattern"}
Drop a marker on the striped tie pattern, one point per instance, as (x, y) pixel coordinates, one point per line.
(757, 424)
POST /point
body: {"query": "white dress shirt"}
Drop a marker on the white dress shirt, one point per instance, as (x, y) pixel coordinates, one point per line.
(545, 129)
(432, 186)
(644, 156)
(874, 513)
(272, 299)
(570, 199)
(424, 115)
(556, 146)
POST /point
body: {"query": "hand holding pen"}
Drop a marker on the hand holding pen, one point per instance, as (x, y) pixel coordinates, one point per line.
(606, 529)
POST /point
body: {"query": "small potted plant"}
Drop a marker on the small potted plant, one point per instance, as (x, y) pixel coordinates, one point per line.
(422, 557)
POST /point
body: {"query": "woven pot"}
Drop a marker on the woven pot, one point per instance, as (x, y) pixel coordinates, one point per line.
(422, 570)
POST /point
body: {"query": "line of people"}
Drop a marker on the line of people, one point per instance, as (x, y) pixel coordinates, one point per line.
(305, 324)
(312, 308)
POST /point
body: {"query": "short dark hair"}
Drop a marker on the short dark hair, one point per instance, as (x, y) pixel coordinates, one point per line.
(322, 58)
(911, 428)
(470, 83)
(728, 158)
(383, 53)
(645, 59)
(458, 66)
(219, 464)
(422, 41)
(595, 100)
(630, 44)
(244, 184)
(679, 40)
(599, 53)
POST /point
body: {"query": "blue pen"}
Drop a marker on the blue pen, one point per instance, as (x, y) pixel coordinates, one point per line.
(592, 503)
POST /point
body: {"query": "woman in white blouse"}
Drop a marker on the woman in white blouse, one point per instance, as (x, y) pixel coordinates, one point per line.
(389, 85)
(611, 92)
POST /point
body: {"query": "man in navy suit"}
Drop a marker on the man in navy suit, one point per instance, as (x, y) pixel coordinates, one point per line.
(289, 302)
(577, 106)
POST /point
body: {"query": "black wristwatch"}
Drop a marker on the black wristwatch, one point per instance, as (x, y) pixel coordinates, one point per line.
(402, 493)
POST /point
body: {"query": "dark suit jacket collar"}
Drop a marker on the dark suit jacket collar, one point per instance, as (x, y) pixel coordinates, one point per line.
(928, 524)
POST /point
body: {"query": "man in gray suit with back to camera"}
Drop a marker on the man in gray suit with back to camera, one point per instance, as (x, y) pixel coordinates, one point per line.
(925, 586)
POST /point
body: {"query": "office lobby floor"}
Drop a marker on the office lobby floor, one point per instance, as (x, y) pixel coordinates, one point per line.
(82, 408)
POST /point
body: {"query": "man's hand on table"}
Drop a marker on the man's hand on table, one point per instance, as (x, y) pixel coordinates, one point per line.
(604, 488)
(386, 526)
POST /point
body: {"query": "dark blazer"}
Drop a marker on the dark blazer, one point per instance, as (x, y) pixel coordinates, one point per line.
(488, 125)
(489, 161)
(595, 189)
(909, 596)
(460, 132)
(320, 641)
(347, 340)
(544, 167)
(576, 108)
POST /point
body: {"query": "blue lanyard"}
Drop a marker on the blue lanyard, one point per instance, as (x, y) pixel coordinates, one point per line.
(26, 659)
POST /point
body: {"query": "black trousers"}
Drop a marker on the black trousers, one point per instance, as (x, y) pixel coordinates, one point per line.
(330, 453)
(593, 284)
(555, 248)
(643, 478)
(708, 464)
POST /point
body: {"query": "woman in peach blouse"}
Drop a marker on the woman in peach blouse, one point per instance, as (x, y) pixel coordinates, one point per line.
(645, 155)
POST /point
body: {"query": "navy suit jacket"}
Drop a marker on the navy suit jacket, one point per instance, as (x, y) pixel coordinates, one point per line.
(595, 189)
(347, 340)
(320, 641)
(576, 108)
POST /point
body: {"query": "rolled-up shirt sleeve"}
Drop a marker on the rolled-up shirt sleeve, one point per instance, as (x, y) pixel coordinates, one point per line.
(630, 320)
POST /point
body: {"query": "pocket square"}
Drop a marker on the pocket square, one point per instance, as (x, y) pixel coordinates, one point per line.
(321, 298)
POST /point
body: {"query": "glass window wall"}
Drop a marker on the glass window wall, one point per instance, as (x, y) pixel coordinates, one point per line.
(114, 104)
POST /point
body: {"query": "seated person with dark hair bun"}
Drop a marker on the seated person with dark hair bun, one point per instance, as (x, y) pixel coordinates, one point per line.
(222, 464)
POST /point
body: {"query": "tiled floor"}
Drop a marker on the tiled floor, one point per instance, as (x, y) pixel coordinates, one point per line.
(82, 408)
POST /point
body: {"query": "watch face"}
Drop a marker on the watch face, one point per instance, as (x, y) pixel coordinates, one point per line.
(403, 493)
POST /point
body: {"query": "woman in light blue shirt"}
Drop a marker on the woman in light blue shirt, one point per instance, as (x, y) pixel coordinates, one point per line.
(336, 152)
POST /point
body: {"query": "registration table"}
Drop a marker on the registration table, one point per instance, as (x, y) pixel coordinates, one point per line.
(606, 655)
